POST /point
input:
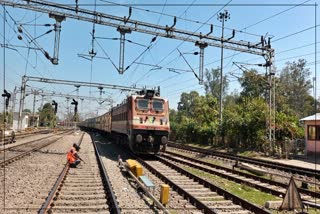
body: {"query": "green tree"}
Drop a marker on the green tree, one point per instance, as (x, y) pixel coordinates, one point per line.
(186, 104)
(173, 117)
(293, 88)
(206, 118)
(196, 118)
(47, 116)
(253, 84)
(245, 123)
(287, 126)
(26, 110)
(212, 83)
(8, 118)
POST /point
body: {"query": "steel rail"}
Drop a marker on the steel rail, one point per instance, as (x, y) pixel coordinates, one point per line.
(23, 135)
(3, 163)
(48, 202)
(235, 199)
(238, 180)
(112, 201)
(198, 204)
(19, 137)
(15, 146)
(226, 176)
(144, 188)
(265, 163)
(45, 206)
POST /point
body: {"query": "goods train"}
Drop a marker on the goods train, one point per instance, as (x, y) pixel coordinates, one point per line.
(141, 120)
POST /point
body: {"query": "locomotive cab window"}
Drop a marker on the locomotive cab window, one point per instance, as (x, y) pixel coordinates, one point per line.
(142, 104)
(157, 105)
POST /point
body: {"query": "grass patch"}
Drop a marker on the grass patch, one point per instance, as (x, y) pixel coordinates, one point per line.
(250, 154)
(200, 156)
(243, 191)
(200, 145)
(310, 211)
(215, 162)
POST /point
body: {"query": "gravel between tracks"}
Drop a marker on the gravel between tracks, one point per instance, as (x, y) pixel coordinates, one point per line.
(29, 180)
(130, 200)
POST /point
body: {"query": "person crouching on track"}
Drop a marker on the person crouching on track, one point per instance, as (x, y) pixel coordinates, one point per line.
(73, 156)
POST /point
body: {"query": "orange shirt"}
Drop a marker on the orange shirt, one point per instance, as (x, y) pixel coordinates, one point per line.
(71, 156)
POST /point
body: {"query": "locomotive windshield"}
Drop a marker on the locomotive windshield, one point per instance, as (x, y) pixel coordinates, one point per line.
(142, 104)
(157, 105)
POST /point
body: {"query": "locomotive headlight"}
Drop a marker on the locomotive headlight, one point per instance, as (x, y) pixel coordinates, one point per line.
(164, 140)
(150, 139)
(139, 138)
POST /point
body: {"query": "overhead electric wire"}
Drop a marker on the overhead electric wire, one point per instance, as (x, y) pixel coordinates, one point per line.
(157, 43)
(114, 65)
(277, 53)
(41, 14)
(295, 33)
(195, 5)
(307, 64)
(28, 52)
(279, 13)
(194, 31)
(179, 17)
(178, 91)
(161, 13)
(272, 40)
(31, 40)
(26, 59)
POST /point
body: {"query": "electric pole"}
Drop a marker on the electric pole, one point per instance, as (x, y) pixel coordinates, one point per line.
(34, 107)
(21, 104)
(222, 17)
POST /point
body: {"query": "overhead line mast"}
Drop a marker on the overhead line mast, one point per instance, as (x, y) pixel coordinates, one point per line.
(55, 9)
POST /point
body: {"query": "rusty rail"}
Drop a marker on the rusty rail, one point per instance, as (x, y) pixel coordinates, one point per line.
(232, 178)
(265, 163)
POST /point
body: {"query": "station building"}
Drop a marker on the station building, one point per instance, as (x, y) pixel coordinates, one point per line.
(27, 120)
(312, 133)
(24, 120)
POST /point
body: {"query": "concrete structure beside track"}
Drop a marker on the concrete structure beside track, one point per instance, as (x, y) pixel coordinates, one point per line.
(312, 133)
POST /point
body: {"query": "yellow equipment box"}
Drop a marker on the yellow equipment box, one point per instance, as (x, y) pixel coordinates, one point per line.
(164, 194)
(138, 170)
(131, 163)
(135, 167)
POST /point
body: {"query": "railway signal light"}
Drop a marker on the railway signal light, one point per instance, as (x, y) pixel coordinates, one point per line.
(75, 103)
(55, 104)
(7, 95)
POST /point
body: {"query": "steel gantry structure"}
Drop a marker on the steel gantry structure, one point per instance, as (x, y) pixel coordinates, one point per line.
(61, 11)
(125, 24)
(76, 84)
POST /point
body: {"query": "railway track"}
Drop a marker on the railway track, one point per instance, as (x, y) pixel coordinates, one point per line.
(85, 189)
(7, 139)
(311, 173)
(204, 195)
(17, 145)
(266, 185)
(19, 151)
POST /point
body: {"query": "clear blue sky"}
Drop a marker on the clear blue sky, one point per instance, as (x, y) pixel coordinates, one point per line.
(76, 39)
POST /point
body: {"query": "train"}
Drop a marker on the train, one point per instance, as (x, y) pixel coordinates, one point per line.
(141, 121)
